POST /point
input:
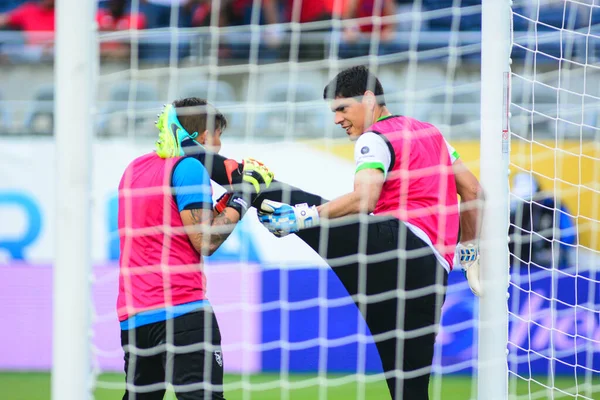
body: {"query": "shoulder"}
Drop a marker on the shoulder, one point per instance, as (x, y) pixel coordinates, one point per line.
(373, 144)
(370, 138)
(188, 164)
(189, 172)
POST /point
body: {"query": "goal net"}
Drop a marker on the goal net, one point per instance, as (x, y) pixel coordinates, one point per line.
(289, 328)
(553, 341)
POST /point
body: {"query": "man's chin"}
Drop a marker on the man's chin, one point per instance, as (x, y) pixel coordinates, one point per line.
(353, 137)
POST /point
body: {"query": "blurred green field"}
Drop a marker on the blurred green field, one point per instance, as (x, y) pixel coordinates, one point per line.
(36, 386)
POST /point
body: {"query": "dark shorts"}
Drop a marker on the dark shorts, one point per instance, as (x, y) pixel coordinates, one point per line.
(184, 352)
(399, 288)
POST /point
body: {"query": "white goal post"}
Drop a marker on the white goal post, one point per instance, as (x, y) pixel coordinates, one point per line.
(75, 67)
(492, 366)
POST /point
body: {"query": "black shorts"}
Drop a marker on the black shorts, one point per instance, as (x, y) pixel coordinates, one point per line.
(192, 363)
(399, 288)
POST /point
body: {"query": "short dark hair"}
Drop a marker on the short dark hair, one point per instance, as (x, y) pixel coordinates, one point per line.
(197, 115)
(354, 82)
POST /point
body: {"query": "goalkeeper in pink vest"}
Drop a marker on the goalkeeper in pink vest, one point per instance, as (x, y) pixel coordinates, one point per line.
(392, 240)
(167, 222)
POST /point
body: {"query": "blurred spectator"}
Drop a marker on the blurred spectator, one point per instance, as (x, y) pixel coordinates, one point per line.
(468, 17)
(239, 12)
(364, 9)
(35, 19)
(541, 227)
(311, 10)
(115, 18)
(159, 12)
(235, 12)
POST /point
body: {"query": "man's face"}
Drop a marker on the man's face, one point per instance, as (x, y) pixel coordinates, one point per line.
(350, 115)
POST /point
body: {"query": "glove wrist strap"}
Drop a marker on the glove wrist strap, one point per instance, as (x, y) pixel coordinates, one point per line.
(232, 200)
(307, 217)
(237, 202)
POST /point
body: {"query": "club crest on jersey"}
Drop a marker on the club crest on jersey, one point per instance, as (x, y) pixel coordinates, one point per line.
(219, 358)
(364, 150)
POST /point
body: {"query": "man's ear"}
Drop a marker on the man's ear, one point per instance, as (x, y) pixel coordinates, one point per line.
(202, 138)
(369, 99)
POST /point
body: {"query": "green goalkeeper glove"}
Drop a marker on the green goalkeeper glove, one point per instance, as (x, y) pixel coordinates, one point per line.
(257, 174)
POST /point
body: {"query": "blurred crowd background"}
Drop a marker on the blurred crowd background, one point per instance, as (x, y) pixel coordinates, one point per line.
(264, 62)
(32, 23)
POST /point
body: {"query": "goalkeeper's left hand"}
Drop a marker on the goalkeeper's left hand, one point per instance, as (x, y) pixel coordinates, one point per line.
(468, 257)
(257, 174)
(282, 219)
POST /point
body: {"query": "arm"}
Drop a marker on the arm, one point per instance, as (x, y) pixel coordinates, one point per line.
(270, 11)
(350, 9)
(3, 20)
(472, 198)
(208, 231)
(206, 228)
(228, 173)
(373, 156)
(373, 159)
(367, 189)
(471, 194)
(387, 30)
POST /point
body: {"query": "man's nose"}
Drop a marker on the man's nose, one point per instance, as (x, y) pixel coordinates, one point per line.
(338, 119)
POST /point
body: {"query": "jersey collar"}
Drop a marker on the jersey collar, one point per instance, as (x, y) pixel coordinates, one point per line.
(385, 117)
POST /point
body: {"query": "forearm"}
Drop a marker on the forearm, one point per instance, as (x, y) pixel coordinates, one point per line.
(347, 204)
(208, 230)
(368, 184)
(468, 225)
(227, 172)
(222, 226)
(470, 218)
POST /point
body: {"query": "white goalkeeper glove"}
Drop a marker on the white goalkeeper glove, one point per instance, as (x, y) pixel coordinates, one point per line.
(468, 256)
(282, 219)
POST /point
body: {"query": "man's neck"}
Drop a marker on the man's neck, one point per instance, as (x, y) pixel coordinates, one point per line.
(380, 113)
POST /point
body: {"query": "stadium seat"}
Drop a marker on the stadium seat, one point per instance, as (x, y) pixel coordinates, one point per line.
(449, 113)
(126, 111)
(306, 107)
(469, 18)
(219, 93)
(40, 117)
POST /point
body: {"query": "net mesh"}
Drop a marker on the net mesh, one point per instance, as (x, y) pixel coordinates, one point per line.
(289, 328)
(554, 200)
(268, 80)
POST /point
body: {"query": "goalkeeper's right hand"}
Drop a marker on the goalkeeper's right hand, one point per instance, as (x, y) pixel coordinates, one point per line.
(282, 219)
(257, 174)
(468, 257)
